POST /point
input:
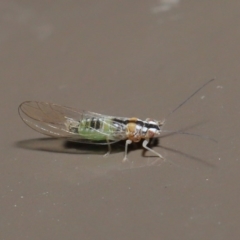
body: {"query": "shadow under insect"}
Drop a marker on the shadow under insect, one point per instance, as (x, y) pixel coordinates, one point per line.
(65, 146)
(60, 145)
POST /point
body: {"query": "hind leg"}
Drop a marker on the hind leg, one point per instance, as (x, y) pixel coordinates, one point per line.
(109, 149)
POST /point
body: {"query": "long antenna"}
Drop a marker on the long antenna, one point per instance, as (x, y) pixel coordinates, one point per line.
(190, 97)
(188, 133)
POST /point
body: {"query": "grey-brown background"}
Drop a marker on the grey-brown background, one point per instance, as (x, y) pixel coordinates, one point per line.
(126, 58)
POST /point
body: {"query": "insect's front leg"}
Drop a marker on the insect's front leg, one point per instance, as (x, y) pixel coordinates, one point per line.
(145, 143)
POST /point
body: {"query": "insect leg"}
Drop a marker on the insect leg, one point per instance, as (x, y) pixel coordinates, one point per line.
(126, 148)
(145, 142)
(109, 148)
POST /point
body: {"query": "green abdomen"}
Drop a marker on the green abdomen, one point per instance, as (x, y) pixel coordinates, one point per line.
(96, 129)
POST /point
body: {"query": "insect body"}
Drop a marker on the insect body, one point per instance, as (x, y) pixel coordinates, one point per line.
(88, 127)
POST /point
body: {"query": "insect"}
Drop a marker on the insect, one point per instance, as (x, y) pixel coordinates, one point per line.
(89, 127)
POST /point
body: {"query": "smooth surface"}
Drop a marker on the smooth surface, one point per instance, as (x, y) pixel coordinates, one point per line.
(123, 58)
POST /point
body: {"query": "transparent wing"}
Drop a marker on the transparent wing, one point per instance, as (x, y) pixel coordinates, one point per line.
(53, 120)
